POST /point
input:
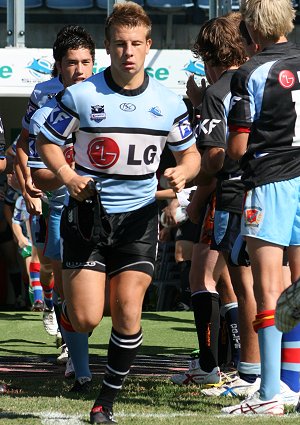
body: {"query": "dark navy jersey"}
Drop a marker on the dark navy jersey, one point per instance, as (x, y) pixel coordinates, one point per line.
(213, 132)
(266, 102)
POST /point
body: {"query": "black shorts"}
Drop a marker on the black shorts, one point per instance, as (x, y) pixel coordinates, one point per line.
(186, 231)
(227, 227)
(112, 244)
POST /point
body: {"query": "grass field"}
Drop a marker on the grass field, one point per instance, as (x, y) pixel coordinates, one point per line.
(27, 361)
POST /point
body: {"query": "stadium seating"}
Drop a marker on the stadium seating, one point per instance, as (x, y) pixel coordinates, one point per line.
(170, 8)
(102, 4)
(204, 4)
(28, 3)
(69, 4)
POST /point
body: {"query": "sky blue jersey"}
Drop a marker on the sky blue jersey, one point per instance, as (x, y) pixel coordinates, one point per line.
(120, 135)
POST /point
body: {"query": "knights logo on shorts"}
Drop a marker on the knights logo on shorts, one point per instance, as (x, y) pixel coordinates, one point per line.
(252, 216)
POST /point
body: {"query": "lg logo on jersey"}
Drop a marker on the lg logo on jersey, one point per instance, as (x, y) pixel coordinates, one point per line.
(207, 126)
(103, 152)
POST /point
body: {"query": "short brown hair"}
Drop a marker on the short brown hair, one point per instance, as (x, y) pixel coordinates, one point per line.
(219, 42)
(128, 14)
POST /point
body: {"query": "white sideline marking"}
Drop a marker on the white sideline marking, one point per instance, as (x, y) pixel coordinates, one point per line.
(58, 418)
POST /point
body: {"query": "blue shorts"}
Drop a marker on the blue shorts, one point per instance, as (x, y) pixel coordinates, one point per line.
(227, 226)
(52, 243)
(272, 213)
(38, 230)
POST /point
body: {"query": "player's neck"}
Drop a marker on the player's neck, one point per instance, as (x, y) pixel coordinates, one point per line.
(128, 82)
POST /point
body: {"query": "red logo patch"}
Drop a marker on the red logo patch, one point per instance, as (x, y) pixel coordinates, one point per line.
(286, 79)
(69, 154)
(103, 152)
(253, 216)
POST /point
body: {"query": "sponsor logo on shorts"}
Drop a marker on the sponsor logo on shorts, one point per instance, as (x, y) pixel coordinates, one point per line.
(252, 216)
(77, 264)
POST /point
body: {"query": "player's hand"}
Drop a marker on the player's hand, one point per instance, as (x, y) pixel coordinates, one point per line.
(80, 187)
(194, 92)
(33, 191)
(33, 205)
(176, 178)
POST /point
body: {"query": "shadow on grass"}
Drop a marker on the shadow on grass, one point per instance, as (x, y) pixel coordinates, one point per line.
(12, 415)
(20, 316)
(162, 317)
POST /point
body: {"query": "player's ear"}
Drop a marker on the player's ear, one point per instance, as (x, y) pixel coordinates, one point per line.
(106, 45)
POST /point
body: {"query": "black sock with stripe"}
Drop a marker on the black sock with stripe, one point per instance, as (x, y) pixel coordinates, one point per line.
(122, 351)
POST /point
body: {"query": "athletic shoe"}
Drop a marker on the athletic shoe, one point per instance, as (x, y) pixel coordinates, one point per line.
(237, 388)
(195, 375)
(195, 353)
(101, 415)
(255, 406)
(287, 313)
(58, 339)
(38, 306)
(69, 372)
(64, 355)
(49, 321)
(288, 396)
(82, 385)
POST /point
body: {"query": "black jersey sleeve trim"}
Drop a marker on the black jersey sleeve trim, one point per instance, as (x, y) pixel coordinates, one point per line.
(65, 108)
(55, 134)
(180, 117)
(181, 142)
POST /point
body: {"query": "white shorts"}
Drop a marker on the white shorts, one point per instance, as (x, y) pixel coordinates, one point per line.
(272, 213)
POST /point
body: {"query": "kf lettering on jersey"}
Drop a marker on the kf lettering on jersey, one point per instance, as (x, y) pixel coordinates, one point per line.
(56, 118)
(148, 155)
(233, 101)
(207, 126)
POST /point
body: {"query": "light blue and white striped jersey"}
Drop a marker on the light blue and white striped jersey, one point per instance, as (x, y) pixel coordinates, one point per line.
(56, 197)
(120, 135)
(40, 95)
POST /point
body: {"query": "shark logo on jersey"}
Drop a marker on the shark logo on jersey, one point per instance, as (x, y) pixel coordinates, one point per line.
(184, 128)
(59, 120)
(103, 152)
(207, 126)
(97, 113)
(155, 111)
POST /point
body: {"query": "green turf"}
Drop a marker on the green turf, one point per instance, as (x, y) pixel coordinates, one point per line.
(45, 399)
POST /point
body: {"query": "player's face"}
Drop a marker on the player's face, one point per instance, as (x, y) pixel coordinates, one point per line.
(128, 48)
(76, 66)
